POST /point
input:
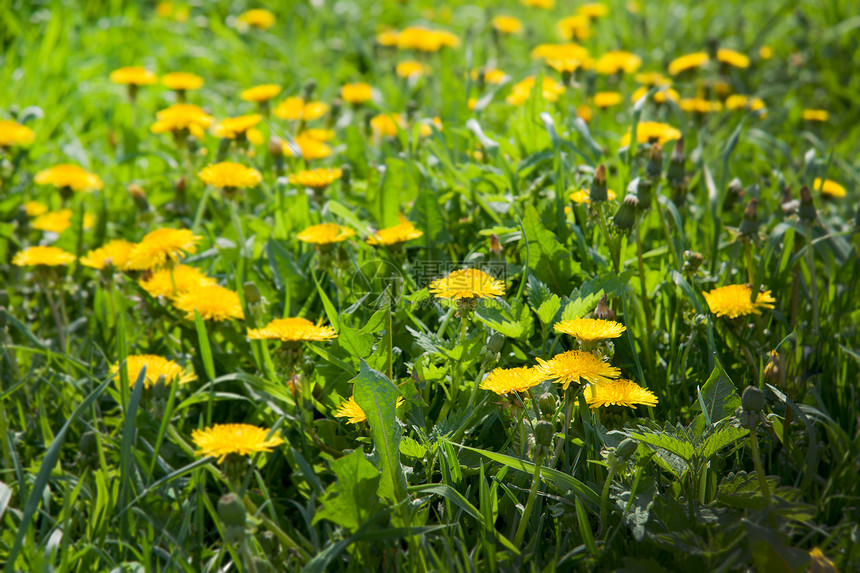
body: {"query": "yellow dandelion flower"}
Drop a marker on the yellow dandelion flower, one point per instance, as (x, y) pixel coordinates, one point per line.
(306, 147)
(160, 246)
(261, 93)
(395, 235)
(352, 411)
(424, 40)
(292, 330)
(652, 79)
(232, 126)
(467, 283)
(53, 221)
(171, 283)
(520, 92)
(568, 51)
(585, 113)
(113, 254)
(652, 132)
(34, 208)
(590, 329)
(688, 62)
(325, 234)
(617, 61)
(733, 301)
(542, 4)
(594, 10)
(815, 115)
(604, 100)
(618, 393)
(156, 367)
(506, 380)
(221, 440)
(182, 116)
(387, 38)
(134, 76)
(574, 365)
(230, 175)
(212, 302)
(425, 128)
(733, 58)
(507, 25)
(662, 96)
(316, 178)
(567, 66)
(576, 26)
(42, 256)
(765, 52)
(319, 134)
(258, 18)
(820, 563)
(830, 188)
(491, 75)
(69, 176)
(582, 197)
(386, 124)
(182, 81)
(411, 68)
(13, 133)
(736, 101)
(700, 105)
(356, 93)
(295, 109)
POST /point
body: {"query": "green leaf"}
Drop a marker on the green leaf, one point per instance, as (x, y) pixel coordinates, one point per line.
(352, 498)
(396, 186)
(411, 448)
(548, 309)
(581, 306)
(355, 152)
(720, 398)
(515, 321)
(376, 395)
(681, 447)
(547, 258)
(723, 437)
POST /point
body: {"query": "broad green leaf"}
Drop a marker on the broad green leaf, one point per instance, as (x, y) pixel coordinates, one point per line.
(720, 398)
(548, 309)
(352, 498)
(725, 436)
(547, 258)
(682, 448)
(376, 395)
(581, 306)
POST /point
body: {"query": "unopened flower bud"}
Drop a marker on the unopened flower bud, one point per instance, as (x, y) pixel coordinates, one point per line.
(598, 191)
(276, 146)
(603, 312)
(270, 545)
(138, 195)
(734, 193)
(548, 404)
(625, 218)
(807, 210)
(308, 89)
(626, 448)
(496, 342)
(654, 167)
(495, 245)
(787, 203)
(231, 510)
(643, 188)
(749, 226)
(692, 261)
(543, 433)
(753, 399)
(89, 444)
(252, 293)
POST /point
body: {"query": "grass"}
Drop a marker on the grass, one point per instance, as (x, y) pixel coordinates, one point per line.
(98, 471)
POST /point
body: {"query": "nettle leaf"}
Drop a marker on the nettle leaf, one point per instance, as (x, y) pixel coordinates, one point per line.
(538, 292)
(671, 441)
(640, 510)
(514, 321)
(581, 306)
(548, 309)
(352, 498)
(547, 258)
(411, 448)
(720, 397)
(723, 437)
(376, 395)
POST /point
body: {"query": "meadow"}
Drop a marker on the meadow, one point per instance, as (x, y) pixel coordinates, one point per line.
(529, 285)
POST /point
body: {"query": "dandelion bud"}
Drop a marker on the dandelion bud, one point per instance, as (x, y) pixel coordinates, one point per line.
(411, 108)
(749, 226)
(603, 312)
(625, 218)
(270, 545)
(231, 510)
(496, 342)
(88, 445)
(735, 192)
(598, 192)
(138, 195)
(787, 203)
(308, 89)
(543, 433)
(252, 293)
(654, 168)
(334, 112)
(692, 261)
(276, 146)
(807, 211)
(773, 367)
(626, 448)
(548, 404)
(643, 188)
(753, 399)
(346, 177)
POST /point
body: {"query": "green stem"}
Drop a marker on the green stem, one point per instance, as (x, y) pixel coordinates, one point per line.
(810, 253)
(474, 393)
(762, 481)
(604, 500)
(613, 251)
(645, 304)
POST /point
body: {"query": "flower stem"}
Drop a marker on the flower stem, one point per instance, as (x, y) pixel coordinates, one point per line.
(613, 251)
(759, 469)
(604, 500)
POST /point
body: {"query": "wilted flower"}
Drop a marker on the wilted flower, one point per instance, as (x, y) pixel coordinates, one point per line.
(42, 256)
(13, 133)
(221, 440)
(467, 283)
(292, 330)
(156, 368)
(733, 301)
(212, 302)
(619, 392)
(574, 365)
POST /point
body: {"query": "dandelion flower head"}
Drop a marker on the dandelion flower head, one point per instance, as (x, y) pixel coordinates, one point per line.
(573, 366)
(733, 301)
(292, 330)
(221, 440)
(156, 367)
(618, 393)
(467, 283)
(212, 302)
